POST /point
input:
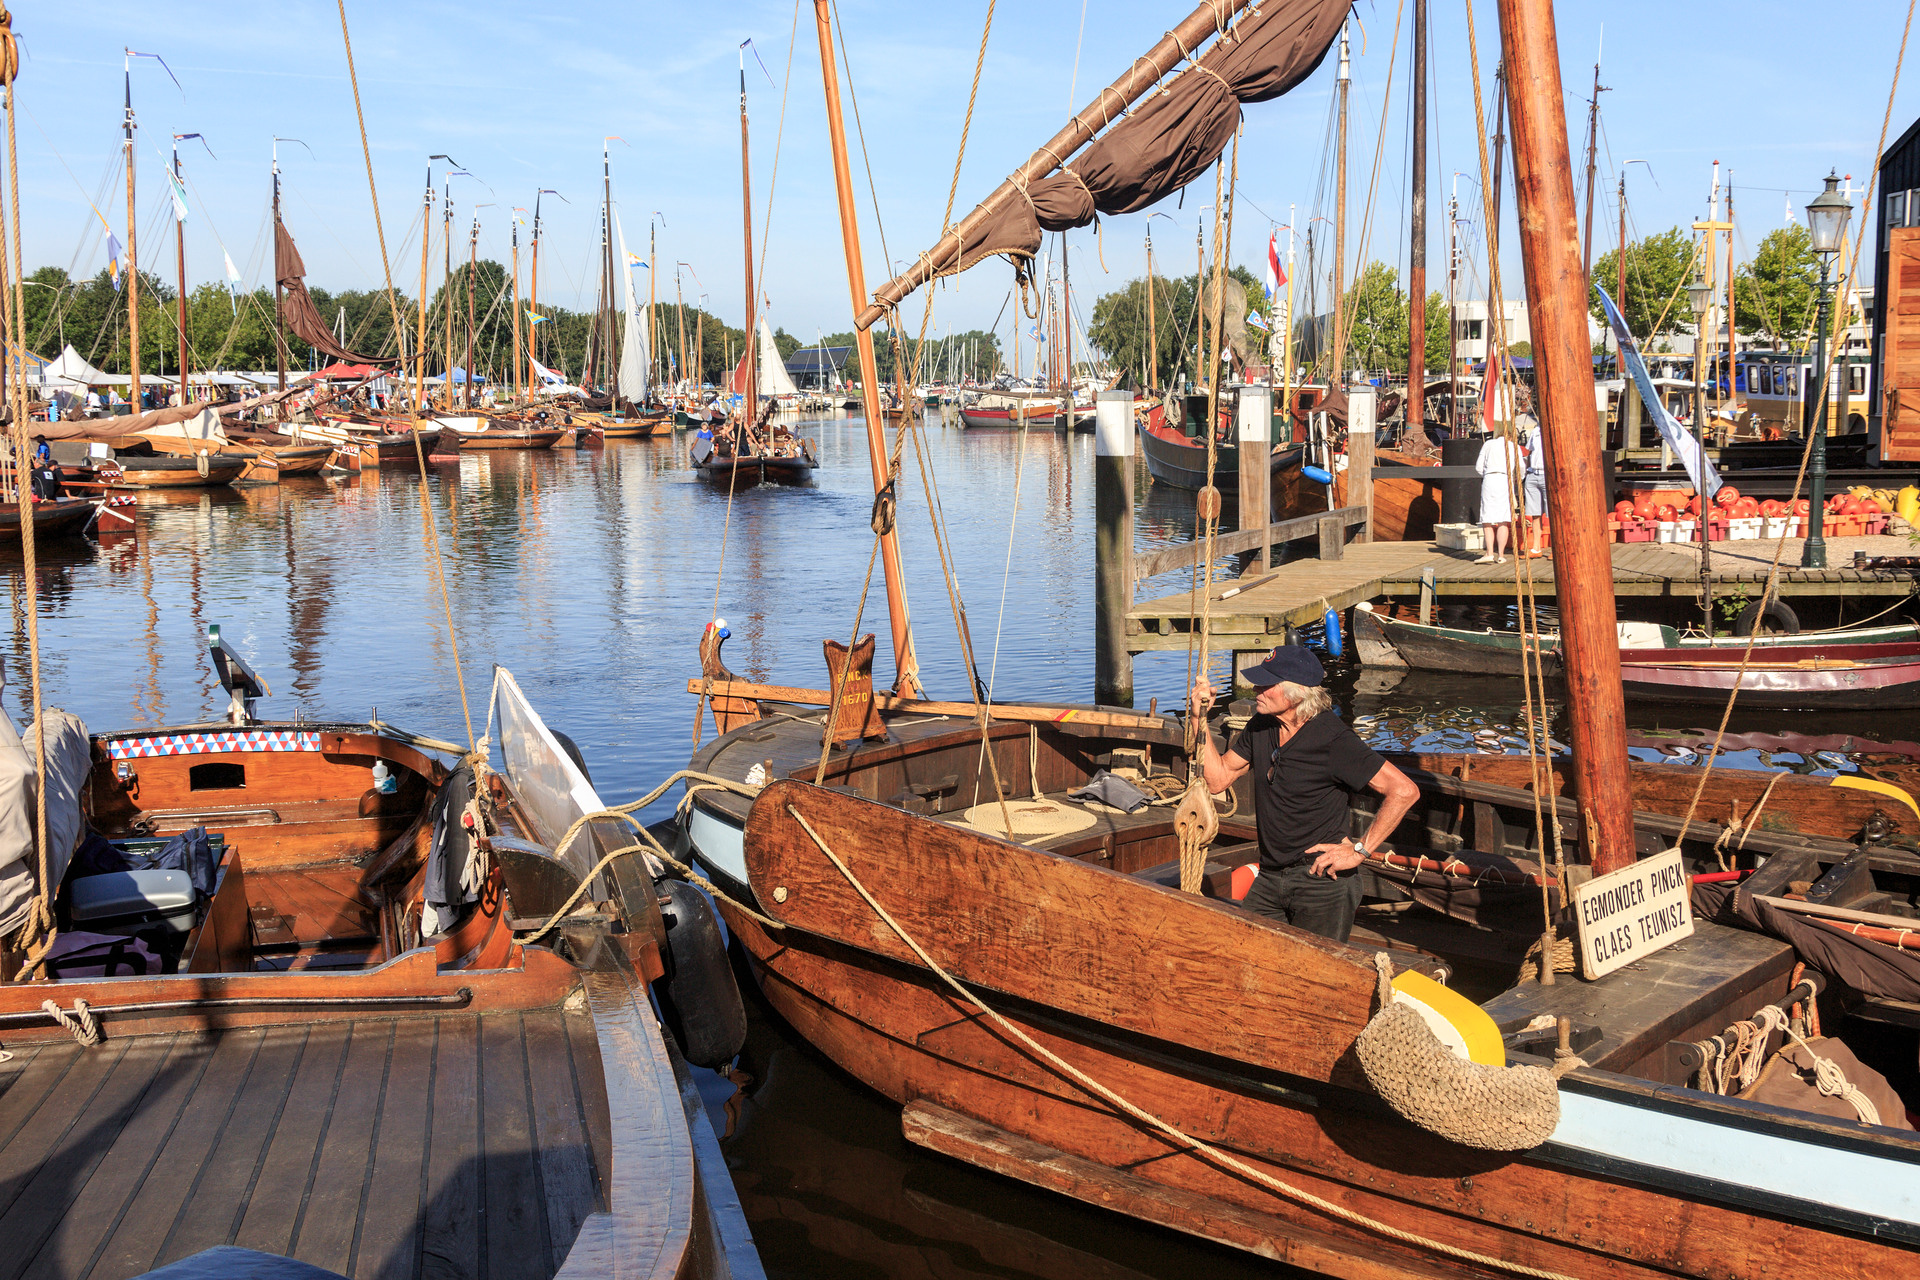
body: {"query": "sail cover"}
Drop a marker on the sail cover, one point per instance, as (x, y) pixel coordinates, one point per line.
(1165, 142)
(634, 357)
(773, 370)
(297, 311)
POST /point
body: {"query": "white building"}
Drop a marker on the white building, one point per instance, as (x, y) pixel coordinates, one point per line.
(1474, 335)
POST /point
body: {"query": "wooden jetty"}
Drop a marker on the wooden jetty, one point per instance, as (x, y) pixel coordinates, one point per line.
(1262, 605)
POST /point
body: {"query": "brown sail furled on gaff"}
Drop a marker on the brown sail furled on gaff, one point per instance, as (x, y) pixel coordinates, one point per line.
(297, 311)
(1166, 142)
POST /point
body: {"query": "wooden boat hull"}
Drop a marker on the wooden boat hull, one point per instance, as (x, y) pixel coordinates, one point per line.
(60, 518)
(494, 438)
(639, 428)
(1045, 415)
(1183, 464)
(1225, 1061)
(181, 472)
(786, 470)
(1405, 509)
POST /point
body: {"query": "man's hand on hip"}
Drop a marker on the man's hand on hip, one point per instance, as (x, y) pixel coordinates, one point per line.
(1333, 857)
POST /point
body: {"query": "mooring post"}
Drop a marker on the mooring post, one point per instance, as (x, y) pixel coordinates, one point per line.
(1361, 409)
(1256, 451)
(1112, 546)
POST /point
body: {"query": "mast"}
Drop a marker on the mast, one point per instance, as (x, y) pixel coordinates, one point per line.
(1066, 324)
(1453, 306)
(680, 315)
(1620, 294)
(420, 341)
(653, 269)
(906, 665)
(1731, 339)
(1416, 404)
(1499, 152)
(473, 260)
(514, 364)
(446, 293)
(533, 300)
(1557, 313)
(1335, 378)
(180, 256)
(1153, 340)
(606, 265)
(279, 341)
(750, 410)
(1593, 141)
(133, 259)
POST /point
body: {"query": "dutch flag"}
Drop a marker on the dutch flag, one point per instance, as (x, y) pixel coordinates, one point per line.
(1276, 275)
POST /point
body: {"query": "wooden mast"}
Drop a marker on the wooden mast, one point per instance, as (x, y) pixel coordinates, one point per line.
(533, 300)
(750, 408)
(420, 341)
(180, 257)
(133, 262)
(1066, 326)
(680, 317)
(473, 260)
(279, 340)
(1593, 142)
(446, 293)
(514, 363)
(1563, 366)
(1416, 404)
(906, 664)
(653, 269)
(1336, 378)
(1153, 341)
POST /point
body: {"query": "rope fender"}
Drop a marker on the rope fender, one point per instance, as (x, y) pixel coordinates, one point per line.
(1470, 1103)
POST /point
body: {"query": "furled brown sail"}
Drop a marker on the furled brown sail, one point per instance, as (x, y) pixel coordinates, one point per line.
(297, 311)
(1166, 142)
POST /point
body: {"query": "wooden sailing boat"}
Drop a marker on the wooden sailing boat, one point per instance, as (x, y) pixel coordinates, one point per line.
(506, 1097)
(1056, 1011)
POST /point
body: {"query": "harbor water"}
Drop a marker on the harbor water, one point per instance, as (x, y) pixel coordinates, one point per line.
(590, 574)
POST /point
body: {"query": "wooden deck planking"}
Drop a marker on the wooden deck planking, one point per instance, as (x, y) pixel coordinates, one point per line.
(559, 1128)
(449, 1219)
(389, 1243)
(1302, 590)
(330, 1217)
(278, 1197)
(515, 1209)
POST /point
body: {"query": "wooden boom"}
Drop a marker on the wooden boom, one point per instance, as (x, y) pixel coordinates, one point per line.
(894, 702)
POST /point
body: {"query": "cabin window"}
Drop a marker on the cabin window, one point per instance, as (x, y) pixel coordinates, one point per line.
(1897, 209)
(1857, 379)
(216, 777)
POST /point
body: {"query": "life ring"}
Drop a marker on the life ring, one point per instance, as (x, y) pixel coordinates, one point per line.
(1779, 618)
(699, 1000)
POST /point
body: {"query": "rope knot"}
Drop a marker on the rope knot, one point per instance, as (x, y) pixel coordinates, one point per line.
(81, 1022)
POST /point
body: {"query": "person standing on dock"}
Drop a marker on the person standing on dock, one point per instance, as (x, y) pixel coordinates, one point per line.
(1534, 481)
(1495, 464)
(1310, 765)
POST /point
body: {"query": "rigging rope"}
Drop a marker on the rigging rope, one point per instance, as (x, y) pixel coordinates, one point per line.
(434, 560)
(1207, 1151)
(37, 932)
(1779, 547)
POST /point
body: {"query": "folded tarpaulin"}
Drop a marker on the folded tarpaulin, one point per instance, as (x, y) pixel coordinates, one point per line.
(69, 761)
(297, 311)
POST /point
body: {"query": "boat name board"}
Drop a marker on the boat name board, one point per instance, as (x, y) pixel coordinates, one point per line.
(1631, 913)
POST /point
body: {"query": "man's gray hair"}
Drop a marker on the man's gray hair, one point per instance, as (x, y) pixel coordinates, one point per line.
(1307, 703)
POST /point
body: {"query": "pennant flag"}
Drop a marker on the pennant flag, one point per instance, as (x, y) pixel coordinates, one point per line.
(1037, 335)
(233, 279)
(534, 317)
(635, 260)
(547, 375)
(1685, 447)
(113, 260)
(1276, 274)
(1259, 321)
(179, 198)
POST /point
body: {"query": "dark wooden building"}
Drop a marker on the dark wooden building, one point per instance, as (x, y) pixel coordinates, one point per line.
(1895, 395)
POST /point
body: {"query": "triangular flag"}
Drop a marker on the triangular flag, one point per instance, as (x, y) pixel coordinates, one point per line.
(233, 278)
(534, 317)
(113, 260)
(179, 198)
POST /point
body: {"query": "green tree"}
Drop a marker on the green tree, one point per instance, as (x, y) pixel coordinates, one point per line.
(1658, 269)
(1437, 327)
(1775, 293)
(1119, 326)
(1377, 319)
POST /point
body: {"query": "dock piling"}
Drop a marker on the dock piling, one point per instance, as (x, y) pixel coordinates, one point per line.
(1362, 413)
(1256, 449)
(1112, 546)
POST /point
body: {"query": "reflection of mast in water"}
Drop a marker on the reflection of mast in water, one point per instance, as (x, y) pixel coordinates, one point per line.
(307, 606)
(196, 604)
(155, 710)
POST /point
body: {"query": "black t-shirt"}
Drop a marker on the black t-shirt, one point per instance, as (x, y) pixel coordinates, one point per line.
(1301, 790)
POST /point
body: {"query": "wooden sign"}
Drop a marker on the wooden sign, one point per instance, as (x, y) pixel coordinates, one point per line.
(854, 716)
(729, 712)
(1631, 913)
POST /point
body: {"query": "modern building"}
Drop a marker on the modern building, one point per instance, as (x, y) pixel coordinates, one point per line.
(1474, 333)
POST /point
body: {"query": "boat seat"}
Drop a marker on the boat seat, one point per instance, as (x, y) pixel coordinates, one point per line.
(230, 1262)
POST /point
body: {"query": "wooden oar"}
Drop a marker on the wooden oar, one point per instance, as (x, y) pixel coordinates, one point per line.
(893, 702)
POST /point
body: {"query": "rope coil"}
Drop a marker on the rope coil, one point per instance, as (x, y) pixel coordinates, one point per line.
(81, 1022)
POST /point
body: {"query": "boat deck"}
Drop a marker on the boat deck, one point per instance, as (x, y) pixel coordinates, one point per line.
(456, 1146)
(1300, 591)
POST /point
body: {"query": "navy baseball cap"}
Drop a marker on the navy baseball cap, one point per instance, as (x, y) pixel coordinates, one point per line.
(1288, 663)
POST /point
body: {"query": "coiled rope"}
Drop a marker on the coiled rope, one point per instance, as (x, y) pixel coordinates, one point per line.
(1206, 1150)
(81, 1022)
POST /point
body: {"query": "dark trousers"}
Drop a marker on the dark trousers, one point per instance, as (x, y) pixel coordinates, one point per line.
(1318, 904)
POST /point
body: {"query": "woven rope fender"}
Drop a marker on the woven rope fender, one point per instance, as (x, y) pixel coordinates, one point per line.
(1486, 1107)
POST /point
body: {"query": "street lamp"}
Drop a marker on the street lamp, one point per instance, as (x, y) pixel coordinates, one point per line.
(1700, 296)
(1827, 215)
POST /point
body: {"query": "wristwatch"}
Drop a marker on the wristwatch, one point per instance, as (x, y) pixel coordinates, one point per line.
(1360, 848)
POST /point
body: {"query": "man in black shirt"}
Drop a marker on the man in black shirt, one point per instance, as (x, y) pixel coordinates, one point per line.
(1307, 763)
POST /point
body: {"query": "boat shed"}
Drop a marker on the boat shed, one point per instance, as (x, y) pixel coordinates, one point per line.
(1894, 396)
(816, 368)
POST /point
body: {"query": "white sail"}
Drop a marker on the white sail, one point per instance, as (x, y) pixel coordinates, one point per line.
(634, 360)
(773, 370)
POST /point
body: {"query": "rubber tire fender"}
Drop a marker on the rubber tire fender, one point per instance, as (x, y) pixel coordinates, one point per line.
(1779, 616)
(699, 1000)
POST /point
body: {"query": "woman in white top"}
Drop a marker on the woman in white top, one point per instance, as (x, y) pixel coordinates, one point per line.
(1499, 458)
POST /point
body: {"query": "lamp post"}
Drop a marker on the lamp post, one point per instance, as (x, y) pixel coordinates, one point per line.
(1700, 296)
(1827, 215)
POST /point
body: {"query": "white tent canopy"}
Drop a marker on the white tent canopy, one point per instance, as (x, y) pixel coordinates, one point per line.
(71, 372)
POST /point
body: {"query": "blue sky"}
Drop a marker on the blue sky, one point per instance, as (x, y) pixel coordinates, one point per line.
(522, 95)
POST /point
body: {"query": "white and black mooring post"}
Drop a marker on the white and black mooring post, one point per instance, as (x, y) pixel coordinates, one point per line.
(1112, 546)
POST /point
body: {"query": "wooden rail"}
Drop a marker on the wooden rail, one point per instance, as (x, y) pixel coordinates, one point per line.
(1331, 526)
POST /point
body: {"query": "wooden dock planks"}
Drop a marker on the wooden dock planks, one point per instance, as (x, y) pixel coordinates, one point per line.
(1299, 592)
